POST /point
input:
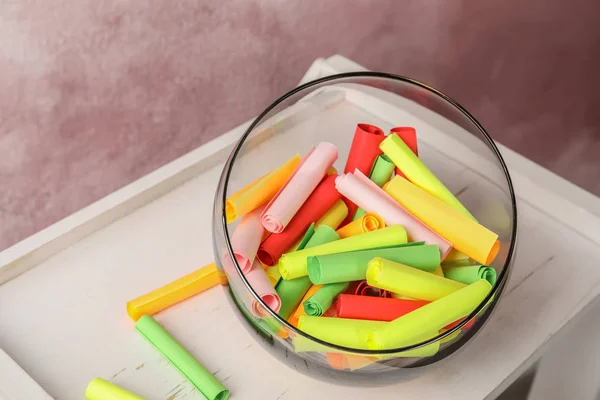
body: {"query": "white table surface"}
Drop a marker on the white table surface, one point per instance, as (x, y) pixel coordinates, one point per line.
(64, 320)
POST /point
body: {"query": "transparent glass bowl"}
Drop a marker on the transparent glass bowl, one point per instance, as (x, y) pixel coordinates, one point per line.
(451, 142)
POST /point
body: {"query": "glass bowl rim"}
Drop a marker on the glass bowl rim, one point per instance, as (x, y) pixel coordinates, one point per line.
(491, 144)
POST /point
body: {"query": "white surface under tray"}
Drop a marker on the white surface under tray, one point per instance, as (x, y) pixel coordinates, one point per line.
(64, 319)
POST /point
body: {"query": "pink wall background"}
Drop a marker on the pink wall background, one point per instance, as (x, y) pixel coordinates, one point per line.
(96, 93)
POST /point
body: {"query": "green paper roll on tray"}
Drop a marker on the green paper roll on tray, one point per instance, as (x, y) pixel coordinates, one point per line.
(294, 265)
(408, 281)
(99, 389)
(430, 318)
(352, 333)
(202, 379)
(470, 274)
(292, 291)
(352, 266)
(380, 174)
(418, 173)
(320, 302)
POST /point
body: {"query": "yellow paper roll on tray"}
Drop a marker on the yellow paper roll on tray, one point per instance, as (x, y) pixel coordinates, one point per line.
(409, 281)
(260, 191)
(294, 265)
(100, 389)
(418, 173)
(176, 291)
(367, 223)
(334, 216)
(431, 317)
(466, 235)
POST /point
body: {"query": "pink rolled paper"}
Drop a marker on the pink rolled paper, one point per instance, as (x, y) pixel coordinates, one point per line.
(246, 239)
(288, 200)
(258, 279)
(370, 197)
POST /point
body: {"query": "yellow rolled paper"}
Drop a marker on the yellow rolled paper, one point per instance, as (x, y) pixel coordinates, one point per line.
(293, 265)
(259, 192)
(273, 274)
(334, 216)
(430, 318)
(367, 223)
(293, 319)
(353, 333)
(418, 173)
(438, 271)
(409, 281)
(466, 235)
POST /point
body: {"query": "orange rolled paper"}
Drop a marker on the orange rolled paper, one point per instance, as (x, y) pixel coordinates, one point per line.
(367, 223)
(259, 192)
(176, 291)
(465, 234)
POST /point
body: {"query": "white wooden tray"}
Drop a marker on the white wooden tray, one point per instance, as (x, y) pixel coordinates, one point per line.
(63, 291)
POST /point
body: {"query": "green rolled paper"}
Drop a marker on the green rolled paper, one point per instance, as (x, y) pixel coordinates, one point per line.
(292, 291)
(430, 318)
(408, 281)
(470, 274)
(352, 333)
(320, 302)
(99, 389)
(352, 266)
(381, 173)
(202, 379)
(294, 265)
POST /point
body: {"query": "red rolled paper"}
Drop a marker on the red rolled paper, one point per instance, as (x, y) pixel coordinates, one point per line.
(408, 136)
(363, 152)
(317, 204)
(380, 308)
(364, 289)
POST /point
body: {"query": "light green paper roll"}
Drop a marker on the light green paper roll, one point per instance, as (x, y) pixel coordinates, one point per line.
(470, 274)
(320, 302)
(202, 379)
(352, 266)
(352, 333)
(409, 281)
(99, 389)
(418, 173)
(382, 170)
(430, 318)
(294, 265)
(292, 291)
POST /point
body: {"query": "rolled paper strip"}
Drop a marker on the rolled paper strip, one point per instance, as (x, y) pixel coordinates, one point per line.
(293, 319)
(364, 289)
(194, 372)
(382, 170)
(352, 266)
(176, 291)
(259, 192)
(468, 275)
(402, 297)
(273, 274)
(292, 291)
(349, 361)
(408, 136)
(317, 204)
(418, 173)
(438, 271)
(466, 235)
(429, 318)
(371, 197)
(409, 281)
(259, 281)
(246, 239)
(367, 223)
(363, 152)
(456, 256)
(99, 389)
(320, 302)
(374, 308)
(334, 216)
(352, 333)
(294, 265)
(290, 198)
